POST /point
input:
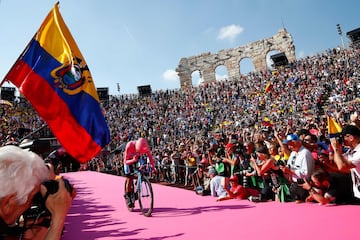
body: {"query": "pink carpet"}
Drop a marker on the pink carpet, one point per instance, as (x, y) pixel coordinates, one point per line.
(99, 212)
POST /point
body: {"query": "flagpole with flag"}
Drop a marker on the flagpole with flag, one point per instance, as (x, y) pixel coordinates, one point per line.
(334, 128)
(53, 76)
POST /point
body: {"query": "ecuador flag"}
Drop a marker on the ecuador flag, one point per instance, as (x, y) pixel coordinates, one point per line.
(334, 128)
(53, 76)
(269, 87)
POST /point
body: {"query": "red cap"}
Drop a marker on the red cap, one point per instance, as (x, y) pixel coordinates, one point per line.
(233, 178)
(203, 161)
(229, 146)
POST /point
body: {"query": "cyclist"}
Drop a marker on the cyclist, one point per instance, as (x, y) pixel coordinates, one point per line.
(134, 150)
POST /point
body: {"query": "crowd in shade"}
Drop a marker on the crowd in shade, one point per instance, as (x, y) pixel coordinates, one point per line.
(263, 137)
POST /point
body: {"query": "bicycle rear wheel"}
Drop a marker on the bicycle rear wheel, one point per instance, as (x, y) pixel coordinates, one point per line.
(146, 196)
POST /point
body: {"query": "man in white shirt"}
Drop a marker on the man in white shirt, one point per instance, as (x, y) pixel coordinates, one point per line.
(300, 166)
(216, 184)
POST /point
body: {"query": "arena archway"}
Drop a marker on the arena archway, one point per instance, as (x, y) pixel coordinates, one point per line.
(230, 58)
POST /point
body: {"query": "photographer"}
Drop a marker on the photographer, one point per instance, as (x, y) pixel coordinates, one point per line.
(21, 174)
(350, 160)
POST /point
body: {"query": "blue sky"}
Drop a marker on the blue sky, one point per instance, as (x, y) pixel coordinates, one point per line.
(140, 42)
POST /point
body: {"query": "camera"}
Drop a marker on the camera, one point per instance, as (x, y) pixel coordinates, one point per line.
(254, 155)
(281, 163)
(38, 208)
(300, 181)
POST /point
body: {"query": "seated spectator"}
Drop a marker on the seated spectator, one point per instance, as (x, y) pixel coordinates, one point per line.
(201, 181)
(235, 191)
(217, 184)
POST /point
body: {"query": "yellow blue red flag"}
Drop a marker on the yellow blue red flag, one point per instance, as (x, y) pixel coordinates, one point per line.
(269, 87)
(334, 128)
(53, 76)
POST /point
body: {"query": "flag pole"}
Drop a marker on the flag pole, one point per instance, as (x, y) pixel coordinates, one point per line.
(33, 132)
(2, 82)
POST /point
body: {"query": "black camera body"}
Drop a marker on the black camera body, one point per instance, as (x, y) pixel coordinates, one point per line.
(38, 207)
(281, 163)
(52, 186)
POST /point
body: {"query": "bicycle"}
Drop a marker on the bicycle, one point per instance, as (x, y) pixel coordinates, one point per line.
(142, 191)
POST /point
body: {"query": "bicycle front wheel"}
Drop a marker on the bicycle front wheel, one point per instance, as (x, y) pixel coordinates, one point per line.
(146, 196)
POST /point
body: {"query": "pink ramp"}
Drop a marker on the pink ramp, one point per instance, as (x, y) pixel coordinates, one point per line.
(99, 212)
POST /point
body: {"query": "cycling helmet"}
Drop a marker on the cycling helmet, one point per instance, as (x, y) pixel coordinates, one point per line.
(142, 146)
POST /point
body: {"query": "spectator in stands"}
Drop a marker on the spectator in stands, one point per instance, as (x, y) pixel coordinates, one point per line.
(190, 164)
(231, 158)
(175, 157)
(165, 168)
(326, 163)
(310, 142)
(283, 148)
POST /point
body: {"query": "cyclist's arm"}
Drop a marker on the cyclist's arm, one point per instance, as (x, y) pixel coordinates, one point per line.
(132, 160)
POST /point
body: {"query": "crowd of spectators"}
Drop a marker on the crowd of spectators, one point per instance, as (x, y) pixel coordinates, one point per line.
(218, 125)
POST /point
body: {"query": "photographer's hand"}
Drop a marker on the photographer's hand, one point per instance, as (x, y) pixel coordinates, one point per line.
(58, 205)
(337, 147)
(307, 186)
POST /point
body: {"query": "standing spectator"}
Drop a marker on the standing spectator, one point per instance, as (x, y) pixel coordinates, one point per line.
(300, 165)
(270, 173)
(231, 158)
(190, 167)
(165, 167)
(175, 163)
(326, 163)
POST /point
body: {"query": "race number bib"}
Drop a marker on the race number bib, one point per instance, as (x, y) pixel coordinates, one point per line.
(355, 176)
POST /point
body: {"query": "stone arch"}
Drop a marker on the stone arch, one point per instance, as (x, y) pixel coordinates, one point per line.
(230, 58)
(246, 62)
(219, 69)
(196, 76)
(269, 54)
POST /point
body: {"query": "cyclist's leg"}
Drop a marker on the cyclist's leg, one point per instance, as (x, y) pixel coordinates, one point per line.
(129, 192)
